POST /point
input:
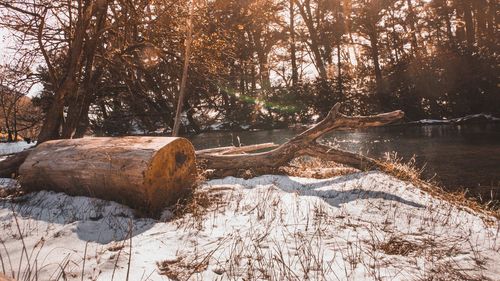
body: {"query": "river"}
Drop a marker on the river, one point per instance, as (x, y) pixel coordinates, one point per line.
(456, 156)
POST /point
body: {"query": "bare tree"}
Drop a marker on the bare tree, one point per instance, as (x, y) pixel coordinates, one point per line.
(59, 32)
(187, 55)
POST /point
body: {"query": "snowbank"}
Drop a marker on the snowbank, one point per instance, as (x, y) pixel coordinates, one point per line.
(364, 226)
(482, 117)
(14, 147)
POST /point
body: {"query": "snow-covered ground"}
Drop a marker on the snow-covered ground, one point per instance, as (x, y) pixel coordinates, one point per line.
(362, 226)
(14, 147)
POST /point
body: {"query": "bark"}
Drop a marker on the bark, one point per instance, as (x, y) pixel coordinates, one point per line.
(303, 144)
(82, 127)
(147, 173)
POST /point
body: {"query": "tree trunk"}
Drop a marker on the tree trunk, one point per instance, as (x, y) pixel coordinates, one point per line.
(80, 101)
(376, 64)
(147, 173)
(413, 28)
(339, 69)
(305, 12)
(187, 55)
(68, 84)
(265, 81)
(82, 127)
(469, 24)
(52, 122)
(293, 49)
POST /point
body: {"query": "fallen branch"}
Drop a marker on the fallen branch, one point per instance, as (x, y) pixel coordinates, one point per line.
(236, 149)
(305, 144)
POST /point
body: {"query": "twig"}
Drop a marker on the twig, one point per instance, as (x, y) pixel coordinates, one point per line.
(130, 248)
(84, 258)
(24, 245)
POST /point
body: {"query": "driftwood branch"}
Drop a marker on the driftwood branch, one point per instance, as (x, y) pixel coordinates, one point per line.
(237, 149)
(304, 144)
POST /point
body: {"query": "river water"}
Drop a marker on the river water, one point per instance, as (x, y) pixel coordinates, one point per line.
(457, 156)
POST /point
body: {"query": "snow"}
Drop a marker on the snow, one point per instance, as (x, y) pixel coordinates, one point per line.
(362, 226)
(216, 126)
(14, 147)
(221, 126)
(465, 119)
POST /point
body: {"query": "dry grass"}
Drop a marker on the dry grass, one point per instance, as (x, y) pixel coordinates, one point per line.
(303, 166)
(11, 190)
(192, 211)
(309, 167)
(183, 268)
(449, 272)
(408, 171)
(398, 246)
(298, 250)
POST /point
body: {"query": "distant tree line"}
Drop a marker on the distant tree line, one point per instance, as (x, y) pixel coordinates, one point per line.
(115, 66)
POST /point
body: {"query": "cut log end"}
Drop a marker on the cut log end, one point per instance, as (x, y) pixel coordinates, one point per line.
(171, 174)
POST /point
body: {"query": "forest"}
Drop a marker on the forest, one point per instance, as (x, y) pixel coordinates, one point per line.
(115, 67)
(249, 140)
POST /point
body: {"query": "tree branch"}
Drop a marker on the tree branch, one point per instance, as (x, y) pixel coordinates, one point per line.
(52, 72)
(305, 144)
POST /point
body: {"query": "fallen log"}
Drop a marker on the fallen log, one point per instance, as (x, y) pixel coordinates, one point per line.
(236, 149)
(9, 167)
(304, 144)
(146, 173)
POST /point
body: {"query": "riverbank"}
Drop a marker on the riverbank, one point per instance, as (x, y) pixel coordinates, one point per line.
(360, 226)
(459, 157)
